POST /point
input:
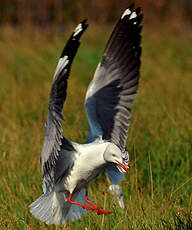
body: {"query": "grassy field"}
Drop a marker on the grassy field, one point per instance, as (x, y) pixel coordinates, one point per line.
(158, 189)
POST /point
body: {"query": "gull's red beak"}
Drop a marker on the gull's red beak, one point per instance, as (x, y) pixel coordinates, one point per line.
(122, 166)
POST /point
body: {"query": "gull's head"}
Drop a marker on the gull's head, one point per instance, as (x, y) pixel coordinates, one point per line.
(113, 154)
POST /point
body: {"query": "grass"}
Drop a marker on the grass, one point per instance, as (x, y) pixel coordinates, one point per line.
(158, 189)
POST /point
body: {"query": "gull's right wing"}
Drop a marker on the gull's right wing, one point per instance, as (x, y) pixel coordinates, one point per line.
(53, 137)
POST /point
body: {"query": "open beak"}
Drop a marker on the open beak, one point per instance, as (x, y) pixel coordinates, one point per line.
(122, 166)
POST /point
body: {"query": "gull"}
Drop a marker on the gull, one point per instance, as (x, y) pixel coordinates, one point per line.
(68, 168)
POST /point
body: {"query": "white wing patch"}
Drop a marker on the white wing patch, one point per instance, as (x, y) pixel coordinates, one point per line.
(133, 15)
(127, 12)
(78, 29)
(61, 65)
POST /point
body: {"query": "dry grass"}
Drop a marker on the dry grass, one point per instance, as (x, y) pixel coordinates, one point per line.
(158, 188)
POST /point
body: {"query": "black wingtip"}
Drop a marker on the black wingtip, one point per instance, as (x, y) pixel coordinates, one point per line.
(128, 14)
(81, 27)
(139, 19)
(72, 45)
(132, 6)
(84, 24)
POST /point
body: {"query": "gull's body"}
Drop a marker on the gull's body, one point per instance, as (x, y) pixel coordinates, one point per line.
(68, 168)
(83, 174)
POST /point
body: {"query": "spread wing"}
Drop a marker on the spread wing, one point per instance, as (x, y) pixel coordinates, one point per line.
(54, 140)
(113, 89)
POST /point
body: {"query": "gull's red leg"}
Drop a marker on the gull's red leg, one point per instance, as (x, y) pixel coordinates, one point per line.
(99, 210)
(88, 201)
(88, 207)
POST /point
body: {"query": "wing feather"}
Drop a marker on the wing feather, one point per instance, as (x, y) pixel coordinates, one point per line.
(114, 87)
(54, 140)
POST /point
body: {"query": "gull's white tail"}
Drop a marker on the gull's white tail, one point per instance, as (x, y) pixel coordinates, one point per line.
(53, 207)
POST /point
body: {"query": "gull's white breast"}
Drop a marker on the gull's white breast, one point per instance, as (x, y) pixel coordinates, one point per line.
(87, 165)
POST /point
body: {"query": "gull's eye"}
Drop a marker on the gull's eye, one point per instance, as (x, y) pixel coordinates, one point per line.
(113, 155)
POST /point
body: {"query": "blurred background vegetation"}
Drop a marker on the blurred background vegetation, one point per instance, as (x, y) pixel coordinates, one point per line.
(158, 189)
(47, 13)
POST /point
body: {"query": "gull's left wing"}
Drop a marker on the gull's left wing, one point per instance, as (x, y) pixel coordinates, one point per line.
(113, 89)
(53, 137)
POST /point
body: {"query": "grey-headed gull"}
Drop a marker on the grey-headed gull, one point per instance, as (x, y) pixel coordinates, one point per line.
(68, 168)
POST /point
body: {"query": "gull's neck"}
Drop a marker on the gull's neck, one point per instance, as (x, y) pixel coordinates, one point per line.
(92, 154)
